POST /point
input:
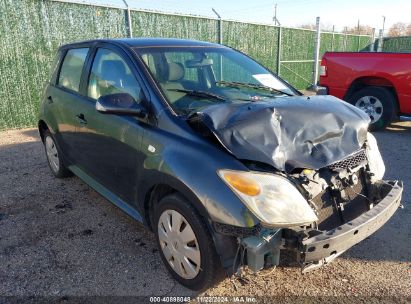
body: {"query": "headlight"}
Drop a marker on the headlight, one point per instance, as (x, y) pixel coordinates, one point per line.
(272, 198)
(375, 161)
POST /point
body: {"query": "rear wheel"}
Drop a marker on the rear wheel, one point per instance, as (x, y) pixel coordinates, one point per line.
(378, 103)
(53, 156)
(186, 246)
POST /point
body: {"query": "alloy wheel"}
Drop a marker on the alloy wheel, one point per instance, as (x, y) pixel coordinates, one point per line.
(372, 106)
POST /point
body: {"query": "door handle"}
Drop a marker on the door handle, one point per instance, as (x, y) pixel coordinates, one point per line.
(81, 118)
(50, 99)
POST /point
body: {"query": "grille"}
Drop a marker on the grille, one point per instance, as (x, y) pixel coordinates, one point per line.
(351, 161)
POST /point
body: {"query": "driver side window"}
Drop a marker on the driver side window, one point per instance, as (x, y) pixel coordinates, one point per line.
(110, 74)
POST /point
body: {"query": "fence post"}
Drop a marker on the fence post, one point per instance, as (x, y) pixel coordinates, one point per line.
(372, 43)
(220, 40)
(359, 37)
(129, 24)
(380, 41)
(220, 27)
(316, 53)
(279, 48)
(345, 39)
(332, 40)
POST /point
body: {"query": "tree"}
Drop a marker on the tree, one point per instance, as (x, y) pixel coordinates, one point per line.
(399, 29)
(312, 26)
(362, 30)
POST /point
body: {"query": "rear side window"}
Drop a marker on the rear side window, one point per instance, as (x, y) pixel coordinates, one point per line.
(70, 72)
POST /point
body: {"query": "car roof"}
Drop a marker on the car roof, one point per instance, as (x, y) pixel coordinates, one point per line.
(147, 42)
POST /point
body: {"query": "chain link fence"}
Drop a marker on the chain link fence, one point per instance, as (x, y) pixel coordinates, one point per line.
(32, 30)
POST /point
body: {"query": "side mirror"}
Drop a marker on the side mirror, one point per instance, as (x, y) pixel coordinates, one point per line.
(120, 103)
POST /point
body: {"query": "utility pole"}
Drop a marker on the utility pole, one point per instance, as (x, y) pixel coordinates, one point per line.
(275, 19)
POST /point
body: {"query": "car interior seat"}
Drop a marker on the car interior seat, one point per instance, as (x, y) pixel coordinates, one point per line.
(171, 80)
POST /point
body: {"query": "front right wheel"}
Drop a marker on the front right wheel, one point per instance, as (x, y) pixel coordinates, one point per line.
(185, 244)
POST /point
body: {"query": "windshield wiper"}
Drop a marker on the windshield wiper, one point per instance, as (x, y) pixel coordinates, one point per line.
(196, 93)
(252, 85)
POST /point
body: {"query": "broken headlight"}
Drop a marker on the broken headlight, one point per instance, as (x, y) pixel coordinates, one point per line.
(375, 162)
(272, 198)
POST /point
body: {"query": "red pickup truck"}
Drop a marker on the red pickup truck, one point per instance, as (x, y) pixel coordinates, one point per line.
(378, 83)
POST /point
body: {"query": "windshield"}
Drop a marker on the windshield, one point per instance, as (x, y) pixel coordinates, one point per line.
(196, 77)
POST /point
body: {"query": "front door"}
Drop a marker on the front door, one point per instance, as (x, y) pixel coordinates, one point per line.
(110, 148)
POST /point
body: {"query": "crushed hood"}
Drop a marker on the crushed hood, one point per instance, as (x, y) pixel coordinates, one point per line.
(290, 132)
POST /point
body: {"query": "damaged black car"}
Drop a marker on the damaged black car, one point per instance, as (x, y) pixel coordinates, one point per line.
(224, 161)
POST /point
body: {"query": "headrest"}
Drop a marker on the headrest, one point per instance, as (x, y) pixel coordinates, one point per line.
(113, 68)
(175, 71)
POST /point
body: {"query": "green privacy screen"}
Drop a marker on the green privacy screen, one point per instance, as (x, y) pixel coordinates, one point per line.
(397, 44)
(32, 30)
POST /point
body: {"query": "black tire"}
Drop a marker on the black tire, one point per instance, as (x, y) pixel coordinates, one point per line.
(387, 100)
(210, 266)
(59, 170)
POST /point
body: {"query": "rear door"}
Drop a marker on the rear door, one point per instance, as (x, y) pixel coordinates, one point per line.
(110, 144)
(64, 101)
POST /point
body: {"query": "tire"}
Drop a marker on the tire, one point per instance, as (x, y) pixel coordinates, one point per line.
(203, 266)
(379, 103)
(53, 155)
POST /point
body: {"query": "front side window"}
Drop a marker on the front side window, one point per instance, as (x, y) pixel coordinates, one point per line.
(195, 77)
(110, 74)
(71, 69)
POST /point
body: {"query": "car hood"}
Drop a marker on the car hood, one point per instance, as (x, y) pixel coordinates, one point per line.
(289, 132)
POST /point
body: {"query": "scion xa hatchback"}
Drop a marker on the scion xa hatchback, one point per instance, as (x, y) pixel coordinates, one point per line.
(224, 161)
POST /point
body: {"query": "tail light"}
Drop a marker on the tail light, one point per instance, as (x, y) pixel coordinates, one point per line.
(323, 67)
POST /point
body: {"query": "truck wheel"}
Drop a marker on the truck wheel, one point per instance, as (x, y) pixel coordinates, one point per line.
(53, 157)
(378, 103)
(186, 247)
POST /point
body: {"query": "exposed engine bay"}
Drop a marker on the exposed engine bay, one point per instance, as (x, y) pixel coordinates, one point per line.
(339, 192)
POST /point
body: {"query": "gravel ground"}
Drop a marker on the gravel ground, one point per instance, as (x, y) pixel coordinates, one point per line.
(59, 239)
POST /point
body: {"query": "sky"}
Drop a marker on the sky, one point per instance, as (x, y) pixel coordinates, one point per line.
(290, 13)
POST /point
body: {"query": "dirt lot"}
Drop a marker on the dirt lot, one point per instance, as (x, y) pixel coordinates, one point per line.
(60, 238)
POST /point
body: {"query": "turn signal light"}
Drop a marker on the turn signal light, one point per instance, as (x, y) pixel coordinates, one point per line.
(243, 184)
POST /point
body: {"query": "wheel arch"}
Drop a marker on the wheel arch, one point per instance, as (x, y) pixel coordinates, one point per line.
(372, 81)
(42, 127)
(157, 191)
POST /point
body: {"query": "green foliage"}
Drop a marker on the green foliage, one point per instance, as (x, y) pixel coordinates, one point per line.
(32, 30)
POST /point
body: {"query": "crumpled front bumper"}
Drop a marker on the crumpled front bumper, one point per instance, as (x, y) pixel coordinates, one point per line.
(326, 246)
